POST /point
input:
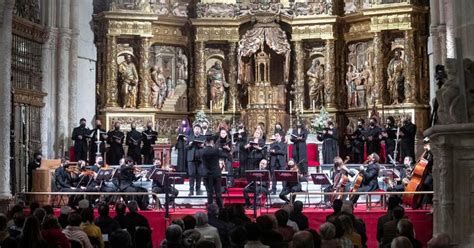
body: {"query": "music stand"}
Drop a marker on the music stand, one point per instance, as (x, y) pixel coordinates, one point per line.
(158, 175)
(175, 178)
(257, 176)
(321, 179)
(104, 175)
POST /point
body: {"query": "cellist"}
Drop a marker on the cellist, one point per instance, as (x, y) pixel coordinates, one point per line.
(369, 175)
(339, 178)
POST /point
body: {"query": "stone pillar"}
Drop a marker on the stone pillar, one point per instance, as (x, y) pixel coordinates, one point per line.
(143, 69)
(201, 90)
(378, 62)
(299, 75)
(62, 85)
(111, 90)
(410, 62)
(5, 92)
(330, 75)
(234, 93)
(73, 63)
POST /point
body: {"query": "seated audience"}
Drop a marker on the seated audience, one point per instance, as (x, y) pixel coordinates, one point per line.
(349, 230)
(282, 220)
(298, 216)
(345, 242)
(328, 233)
(189, 222)
(52, 233)
(15, 209)
(92, 231)
(31, 235)
(269, 235)
(207, 231)
(253, 236)
(33, 206)
(401, 242)
(336, 206)
(18, 222)
(222, 227)
(135, 219)
(5, 240)
(204, 243)
(392, 203)
(178, 222)
(289, 209)
(143, 238)
(106, 224)
(405, 229)
(120, 217)
(121, 239)
(39, 214)
(303, 239)
(173, 237)
(359, 224)
(238, 216)
(64, 214)
(74, 232)
(316, 237)
(390, 228)
(49, 209)
(238, 237)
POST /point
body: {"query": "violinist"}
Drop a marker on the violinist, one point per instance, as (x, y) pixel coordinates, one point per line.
(291, 187)
(224, 143)
(339, 177)
(298, 137)
(149, 137)
(134, 141)
(255, 150)
(127, 177)
(163, 186)
(115, 139)
(184, 132)
(277, 157)
(63, 180)
(261, 188)
(369, 174)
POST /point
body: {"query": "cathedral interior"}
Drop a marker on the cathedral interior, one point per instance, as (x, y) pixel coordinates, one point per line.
(241, 61)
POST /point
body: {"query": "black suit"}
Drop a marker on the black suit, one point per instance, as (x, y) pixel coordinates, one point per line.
(126, 179)
(80, 143)
(330, 145)
(210, 160)
(290, 187)
(370, 182)
(357, 143)
(255, 154)
(134, 141)
(33, 165)
(373, 146)
(300, 154)
(115, 139)
(278, 152)
(221, 143)
(149, 138)
(390, 141)
(408, 140)
(93, 145)
(195, 169)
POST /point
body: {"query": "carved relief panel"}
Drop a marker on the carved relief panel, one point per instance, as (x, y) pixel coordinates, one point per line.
(315, 67)
(359, 78)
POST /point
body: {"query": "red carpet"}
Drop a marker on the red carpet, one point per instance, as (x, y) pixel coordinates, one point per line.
(422, 221)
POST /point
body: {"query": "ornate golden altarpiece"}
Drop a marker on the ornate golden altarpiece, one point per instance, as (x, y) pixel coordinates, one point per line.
(253, 60)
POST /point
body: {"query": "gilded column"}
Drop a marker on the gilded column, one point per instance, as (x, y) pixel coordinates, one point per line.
(144, 84)
(410, 76)
(378, 62)
(201, 98)
(330, 75)
(111, 73)
(234, 94)
(299, 74)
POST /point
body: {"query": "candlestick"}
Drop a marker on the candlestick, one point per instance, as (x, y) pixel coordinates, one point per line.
(210, 104)
(314, 106)
(233, 106)
(291, 107)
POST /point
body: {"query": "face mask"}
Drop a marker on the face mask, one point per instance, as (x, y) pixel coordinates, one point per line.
(372, 124)
(38, 159)
(149, 127)
(98, 125)
(117, 128)
(83, 124)
(100, 162)
(134, 128)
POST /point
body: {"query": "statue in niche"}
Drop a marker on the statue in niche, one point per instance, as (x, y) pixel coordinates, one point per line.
(371, 93)
(158, 87)
(217, 84)
(182, 67)
(351, 76)
(128, 77)
(171, 85)
(316, 82)
(396, 79)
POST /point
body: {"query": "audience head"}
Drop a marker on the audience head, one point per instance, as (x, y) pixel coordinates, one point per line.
(201, 219)
(49, 209)
(265, 222)
(51, 222)
(87, 215)
(103, 210)
(327, 231)
(253, 231)
(31, 231)
(143, 237)
(303, 239)
(316, 237)
(132, 206)
(337, 205)
(212, 210)
(120, 208)
(15, 209)
(204, 243)
(238, 237)
(33, 206)
(393, 201)
(339, 229)
(189, 222)
(401, 242)
(405, 228)
(19, 219)
(178, 222)
(173, 234)
(39, 213)
(65, 210)
(74, 219)
(346, 223)
(120, 239)
(398, 212)
(282, 217)
(83, 204)
(347, 207)
(263, 164)
(298, 207)
(441, 240)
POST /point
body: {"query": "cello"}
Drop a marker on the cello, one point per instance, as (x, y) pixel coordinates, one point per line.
(340, 181)
(416, 182)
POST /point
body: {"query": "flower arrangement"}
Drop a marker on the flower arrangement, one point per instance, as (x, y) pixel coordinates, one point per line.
(318, 122)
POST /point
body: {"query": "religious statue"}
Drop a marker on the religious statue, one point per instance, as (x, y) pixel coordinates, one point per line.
(182, 67)
(217, 84)
(396, 79)
(128, 77)
(158, 87)
(371, 92)
(351, 76)
(316, 82)
(171, 85)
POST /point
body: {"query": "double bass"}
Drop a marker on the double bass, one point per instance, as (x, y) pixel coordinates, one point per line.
(416, 182)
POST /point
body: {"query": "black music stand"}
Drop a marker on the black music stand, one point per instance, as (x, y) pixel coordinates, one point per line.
(174, 178)
(321, 179)
(104, 175)
(257, 176)
(286, 176)
(158, 175)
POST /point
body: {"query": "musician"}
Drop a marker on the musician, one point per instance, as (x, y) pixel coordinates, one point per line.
(86, 178)
(158, 186)
(183, 134)
(403, 171)
(291, 187)
(210, 155)
(134, 141)
(261, 188)
(115, 139)
(389, 135)
(428, 180)
(357, 139)
(240, 140)
(64, 181)
(33, 165)
(407, 134)
(126, 179)
(224, 143)
(373, 137)
(300, 156)
(195, 170)
(279, 128)
(148, 137)
(255, 150)
(330, 142)
(99, 164)
(80, 135)
(370, 174)
(102, 137)
(278, 151)
(339, 178)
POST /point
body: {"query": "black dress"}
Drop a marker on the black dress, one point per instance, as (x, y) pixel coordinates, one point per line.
(180, 146)
(133, 141)
(330, 145)
(115, 139)
(300, 154)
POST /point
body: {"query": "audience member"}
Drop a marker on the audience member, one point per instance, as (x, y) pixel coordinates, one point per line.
(336, 206)
(269, 235)
(178, 222)
(207, 231)
(5, 240)
(173, 237)
(389, 231)
(303, 239)
(298, 216)
(238, 237)
(49, 209)
(253, 236)
(121, 239)
(316, 237)
(190, 238)
(18, 222)
(282, 219)
(204, 243)
(359, 224)
(328, 233)
(392, 203)
(106, 224)
(289, 209)
(143, 238)
(64, 214)
(74, 232)
(405, 229)
(15, 209)
(441, 240)
(120, 217)
(349, 230)
(345, 242)
(222, 227)
(31, 235)
(401, 242)
(33, 206)
(92, 231)
(83, 204)
(237, 215)
(53, 234)
(135, 219)
(189, 222)
(39, 214)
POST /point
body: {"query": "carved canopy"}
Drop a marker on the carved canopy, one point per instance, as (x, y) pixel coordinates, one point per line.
(273, 36)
